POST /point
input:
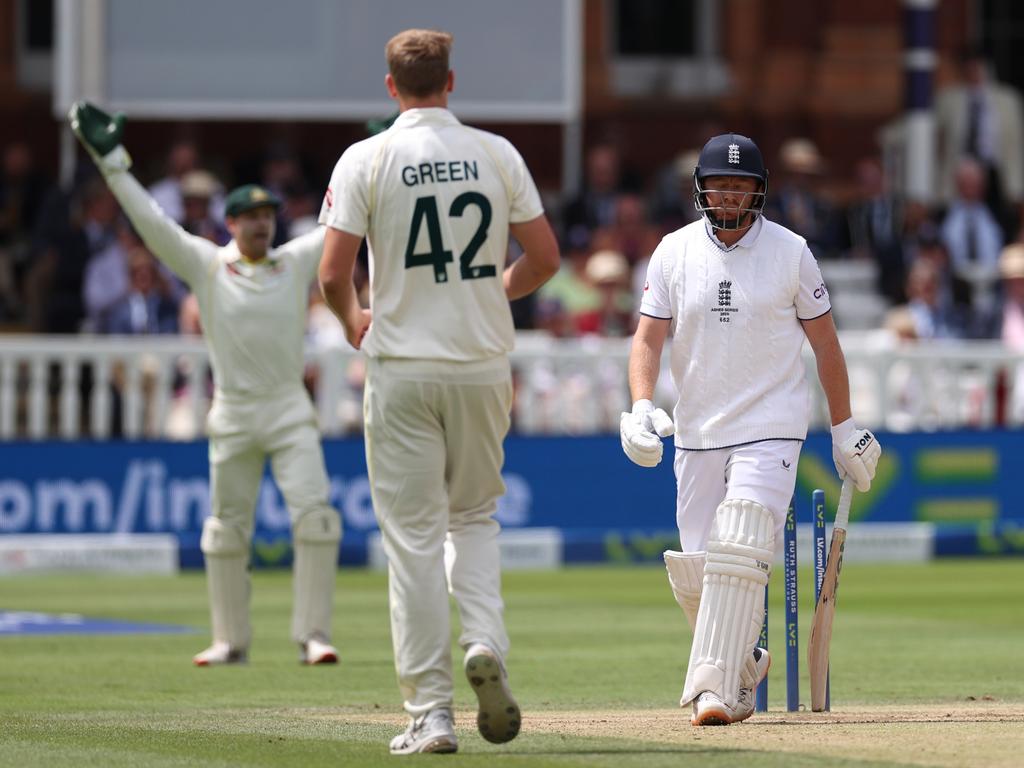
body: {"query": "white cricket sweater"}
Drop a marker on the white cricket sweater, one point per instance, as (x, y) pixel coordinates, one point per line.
(253, 314)
(737, 340)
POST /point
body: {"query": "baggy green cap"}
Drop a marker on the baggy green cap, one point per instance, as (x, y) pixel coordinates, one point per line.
(247, 197)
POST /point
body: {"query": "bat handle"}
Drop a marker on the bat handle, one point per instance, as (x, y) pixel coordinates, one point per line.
(843, 510)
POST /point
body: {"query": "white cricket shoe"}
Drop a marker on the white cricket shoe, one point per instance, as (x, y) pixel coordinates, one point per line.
(316, 651)
(221, 653)
(748, 696)
(432, 732)
(498, 718)
(709, 709)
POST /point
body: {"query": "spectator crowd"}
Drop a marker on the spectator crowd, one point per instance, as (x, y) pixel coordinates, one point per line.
(949, 268)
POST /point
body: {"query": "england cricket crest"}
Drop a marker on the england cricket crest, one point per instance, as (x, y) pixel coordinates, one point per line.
(734, 154)
(724, 307)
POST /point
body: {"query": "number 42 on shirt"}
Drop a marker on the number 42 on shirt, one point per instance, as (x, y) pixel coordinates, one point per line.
(439, 258)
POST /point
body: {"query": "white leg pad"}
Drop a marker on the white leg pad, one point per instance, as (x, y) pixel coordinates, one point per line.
(315, 538)
(740, 550)
(226, 550)
(686, 576)
(748, 672)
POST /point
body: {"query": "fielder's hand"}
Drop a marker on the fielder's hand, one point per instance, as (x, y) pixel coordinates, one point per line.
(855, 452)
(100, 133)
(640, 430)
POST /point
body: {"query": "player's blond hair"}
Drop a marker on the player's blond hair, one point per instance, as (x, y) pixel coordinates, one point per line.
(418, 61)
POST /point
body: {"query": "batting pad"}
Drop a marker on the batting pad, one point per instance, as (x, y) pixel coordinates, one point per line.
(315, 537)
(686, 576)
(227, 580)
(739, 558)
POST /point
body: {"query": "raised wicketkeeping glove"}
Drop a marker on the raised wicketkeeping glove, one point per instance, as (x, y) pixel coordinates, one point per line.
(855, 452)
(640, 430)
(101, 134)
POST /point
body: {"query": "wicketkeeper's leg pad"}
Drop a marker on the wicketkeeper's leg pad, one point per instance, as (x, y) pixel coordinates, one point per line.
(686, 576)
(315, 537)
(740, 550)
(226, 550)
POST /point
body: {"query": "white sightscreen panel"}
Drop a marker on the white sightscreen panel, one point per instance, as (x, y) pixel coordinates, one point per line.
(298, 59)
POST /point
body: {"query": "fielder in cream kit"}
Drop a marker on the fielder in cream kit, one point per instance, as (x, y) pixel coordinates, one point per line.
(253, 302)
(739, 294)
(436, 201)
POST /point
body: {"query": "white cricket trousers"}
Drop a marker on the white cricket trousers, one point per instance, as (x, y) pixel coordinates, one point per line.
(764, 472)
(434, 433)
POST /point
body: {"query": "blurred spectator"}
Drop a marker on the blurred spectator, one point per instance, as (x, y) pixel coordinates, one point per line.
(300, 210)
(57, 276)
(874, 222)
(982, 118)
(281, 172)
(107, 280)
(630, 232)
(973, 238)
(198, 189)
(1011, 267)
(595, 205)
(182, 158)
(148, 307)
(569, 295)
(672, 205)
(796, 202)
(22, 190)
(930, 317)
(608, 271)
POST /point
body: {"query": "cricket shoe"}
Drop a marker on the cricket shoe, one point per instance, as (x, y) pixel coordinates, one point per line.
(761, 661)
(709, 709)
(221, 653)
(430, 732)
(498, 717)
(316, 651)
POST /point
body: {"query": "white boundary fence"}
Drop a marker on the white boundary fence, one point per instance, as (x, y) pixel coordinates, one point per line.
(71, 387)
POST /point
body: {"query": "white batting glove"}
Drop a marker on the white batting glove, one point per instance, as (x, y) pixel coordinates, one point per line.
(855, 452)
(640, 430)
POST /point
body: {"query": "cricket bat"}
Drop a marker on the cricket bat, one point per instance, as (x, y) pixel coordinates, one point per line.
(825, 610)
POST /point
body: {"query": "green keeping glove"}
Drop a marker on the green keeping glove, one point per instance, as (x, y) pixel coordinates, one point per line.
(99, 132)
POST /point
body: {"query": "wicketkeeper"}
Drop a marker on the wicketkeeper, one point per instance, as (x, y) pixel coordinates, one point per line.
(739, 294)
(252, 301)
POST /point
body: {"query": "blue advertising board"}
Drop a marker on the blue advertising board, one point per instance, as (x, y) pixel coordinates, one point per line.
(607, 508)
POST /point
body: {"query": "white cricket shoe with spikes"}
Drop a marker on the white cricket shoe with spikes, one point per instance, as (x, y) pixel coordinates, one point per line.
(761, 661)
(498, 718)
(709, 709)
(431, 732)
(316, 651)
(220, 653)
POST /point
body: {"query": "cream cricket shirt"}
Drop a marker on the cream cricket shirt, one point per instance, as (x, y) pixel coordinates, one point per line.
(253, 315)
(434, 198)
(736, 349)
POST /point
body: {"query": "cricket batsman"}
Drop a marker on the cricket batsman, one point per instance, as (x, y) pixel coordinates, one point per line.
(739, 294)
(252, 303)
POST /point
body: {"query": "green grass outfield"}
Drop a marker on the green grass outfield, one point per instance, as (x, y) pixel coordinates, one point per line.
(928, 669)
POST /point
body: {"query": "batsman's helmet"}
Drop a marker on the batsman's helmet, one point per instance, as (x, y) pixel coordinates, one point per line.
(730, 155)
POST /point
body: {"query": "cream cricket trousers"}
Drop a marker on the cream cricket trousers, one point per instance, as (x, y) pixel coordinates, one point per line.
(434, 433)
(243, 432)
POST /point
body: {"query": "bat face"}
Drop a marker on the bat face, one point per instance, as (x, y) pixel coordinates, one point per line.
(821, 627)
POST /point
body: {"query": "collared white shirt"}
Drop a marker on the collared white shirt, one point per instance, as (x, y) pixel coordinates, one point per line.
(737, 339)
(434, 198)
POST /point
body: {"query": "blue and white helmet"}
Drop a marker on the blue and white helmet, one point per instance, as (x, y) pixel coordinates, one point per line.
(730, 155)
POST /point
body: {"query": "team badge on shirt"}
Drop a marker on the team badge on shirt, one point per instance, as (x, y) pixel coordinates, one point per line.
(725, 307)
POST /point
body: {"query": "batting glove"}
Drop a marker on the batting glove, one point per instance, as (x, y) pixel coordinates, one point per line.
(101, 134)
(640, 430)
(855, 452)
